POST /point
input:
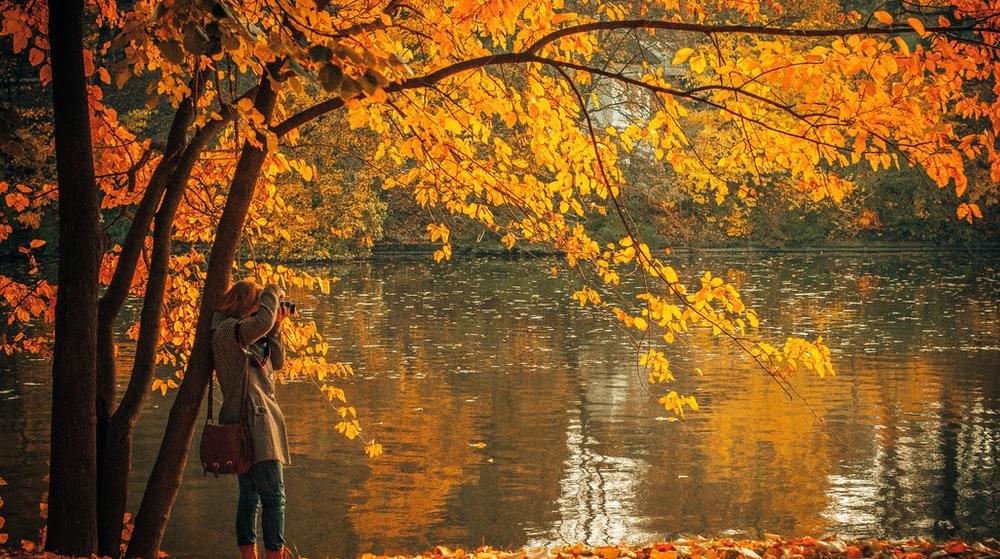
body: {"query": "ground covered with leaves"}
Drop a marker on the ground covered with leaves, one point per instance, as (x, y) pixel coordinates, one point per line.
(771, 547)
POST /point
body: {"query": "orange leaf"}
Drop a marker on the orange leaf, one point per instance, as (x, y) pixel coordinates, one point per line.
(35, 56)
(883, 17)
(956, 548)
(917, 26)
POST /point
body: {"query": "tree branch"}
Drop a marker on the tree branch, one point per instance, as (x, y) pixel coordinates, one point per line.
(529, 54)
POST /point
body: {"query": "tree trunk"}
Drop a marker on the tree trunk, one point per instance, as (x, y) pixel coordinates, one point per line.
(108, 308)
(118, 444)
(72, 515)
(165, 479)
(110, 303)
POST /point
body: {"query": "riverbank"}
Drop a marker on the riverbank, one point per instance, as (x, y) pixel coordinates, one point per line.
(771, 547)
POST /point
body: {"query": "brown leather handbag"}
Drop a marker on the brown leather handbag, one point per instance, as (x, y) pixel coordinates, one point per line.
(227, 448)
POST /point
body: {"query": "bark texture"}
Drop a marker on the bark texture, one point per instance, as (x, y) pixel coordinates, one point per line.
(110, 303)
(116, 426)
(117, 453)
(72, 515)
(110, 447)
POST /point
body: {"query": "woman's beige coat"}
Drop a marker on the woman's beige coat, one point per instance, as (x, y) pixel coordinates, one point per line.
(267, 423)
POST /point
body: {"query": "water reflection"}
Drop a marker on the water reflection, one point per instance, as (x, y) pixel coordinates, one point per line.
(510, 417)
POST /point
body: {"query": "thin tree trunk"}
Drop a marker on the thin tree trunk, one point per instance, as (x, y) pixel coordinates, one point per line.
(118, 445)
(72, 516)
(165, 479)
(110, 303)
(108, 308)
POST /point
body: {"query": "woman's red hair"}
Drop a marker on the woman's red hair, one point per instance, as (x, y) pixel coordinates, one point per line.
(240, 299)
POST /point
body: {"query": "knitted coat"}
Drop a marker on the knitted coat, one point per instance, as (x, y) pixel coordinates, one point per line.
(267, 423)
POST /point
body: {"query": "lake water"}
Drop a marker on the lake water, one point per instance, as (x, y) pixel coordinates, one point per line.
(511, 417)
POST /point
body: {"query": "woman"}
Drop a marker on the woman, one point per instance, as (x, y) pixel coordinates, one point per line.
(250, 317)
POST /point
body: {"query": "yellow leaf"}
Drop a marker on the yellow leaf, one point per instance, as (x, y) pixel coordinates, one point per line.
(670, 275)
(640, 324)
(357, 118)
(698, 64)
(884, 17)
(682, 56)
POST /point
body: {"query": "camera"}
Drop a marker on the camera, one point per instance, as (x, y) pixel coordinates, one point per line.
(290, 307)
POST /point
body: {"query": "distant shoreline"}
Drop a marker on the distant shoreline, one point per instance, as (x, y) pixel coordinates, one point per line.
(403, 250)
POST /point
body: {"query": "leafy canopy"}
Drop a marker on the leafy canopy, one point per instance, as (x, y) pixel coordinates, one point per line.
(525, 117)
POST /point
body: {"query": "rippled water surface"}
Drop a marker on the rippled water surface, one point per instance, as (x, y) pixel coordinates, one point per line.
(510, 417)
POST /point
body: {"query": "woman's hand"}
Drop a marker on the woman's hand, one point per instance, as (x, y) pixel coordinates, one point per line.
(283, 313)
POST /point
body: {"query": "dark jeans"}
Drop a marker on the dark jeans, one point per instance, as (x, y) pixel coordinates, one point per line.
(263, 485)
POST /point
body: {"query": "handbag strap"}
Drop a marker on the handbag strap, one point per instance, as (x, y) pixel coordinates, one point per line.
(246, 380)
(211, 395)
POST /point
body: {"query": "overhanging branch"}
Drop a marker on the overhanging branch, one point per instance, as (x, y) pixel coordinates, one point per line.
(529, 54)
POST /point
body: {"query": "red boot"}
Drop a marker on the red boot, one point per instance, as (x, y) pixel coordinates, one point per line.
(248, 552)
(279, 554)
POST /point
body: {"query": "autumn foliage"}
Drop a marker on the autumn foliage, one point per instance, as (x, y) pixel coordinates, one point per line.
(523, 118)
(771, 547)
(516, 138)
